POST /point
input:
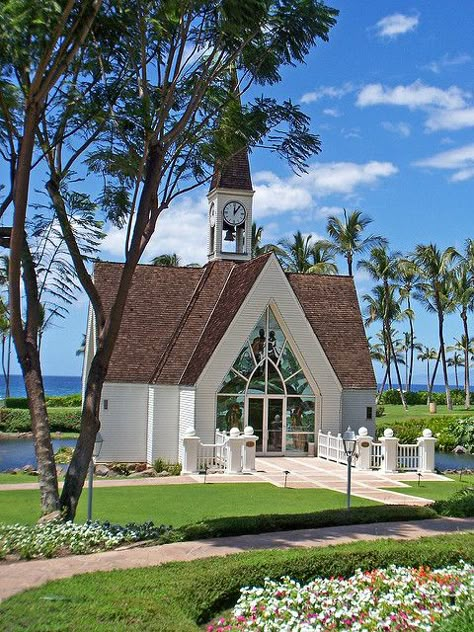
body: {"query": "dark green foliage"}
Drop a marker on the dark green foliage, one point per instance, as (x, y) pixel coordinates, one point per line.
(161, 465)
(460, 622)
(459, 505)
(415, 398)
(239, 525)
(53, 401)
(379, 411)
(463, 432)
(60, 420)
(409, 430)
(182, 596)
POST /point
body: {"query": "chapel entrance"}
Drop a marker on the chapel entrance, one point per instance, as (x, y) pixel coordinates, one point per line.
(267, 388)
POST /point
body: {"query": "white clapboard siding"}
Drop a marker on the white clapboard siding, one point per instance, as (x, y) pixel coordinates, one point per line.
(163, 411)
(124, 422)
(187, 403)
(354, 409)
(271, 288)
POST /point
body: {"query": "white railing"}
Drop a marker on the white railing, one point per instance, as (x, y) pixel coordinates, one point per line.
(212, 456)
(376, 456)
(331, 447)
(408, 457)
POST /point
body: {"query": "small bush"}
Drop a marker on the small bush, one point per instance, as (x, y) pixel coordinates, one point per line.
(379, 411)
(418, 398)
(60, 420)
(410, 429)
(161, 465)
(52, 401)
(459, 505)
(463, 432)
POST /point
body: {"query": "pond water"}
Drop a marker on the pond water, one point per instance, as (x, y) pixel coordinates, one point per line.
(16, 453)
(450, 461)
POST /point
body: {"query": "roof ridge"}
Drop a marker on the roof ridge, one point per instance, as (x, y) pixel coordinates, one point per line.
(179, 328)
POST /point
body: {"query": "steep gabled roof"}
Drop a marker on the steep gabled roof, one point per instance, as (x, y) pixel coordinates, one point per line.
(234, 174)
(331, 306)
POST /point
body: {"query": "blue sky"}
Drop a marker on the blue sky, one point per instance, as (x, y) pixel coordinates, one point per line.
(392, 98)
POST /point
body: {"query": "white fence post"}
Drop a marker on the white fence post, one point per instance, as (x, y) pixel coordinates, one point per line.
(249, 449)
(390, 451)
(234, 452)
(190, 458)
(426, 452)
(364, 450)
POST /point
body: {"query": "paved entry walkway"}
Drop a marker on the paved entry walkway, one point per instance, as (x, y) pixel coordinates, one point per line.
(304, 472)
(15, 578)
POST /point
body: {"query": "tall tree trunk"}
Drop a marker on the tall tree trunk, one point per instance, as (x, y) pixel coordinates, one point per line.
(412, 348)
(382, 387)
(443, 360)
(406, 369)
(397, 370)
(467, 386)
(433, 377)
(456, 377)
(428, 376)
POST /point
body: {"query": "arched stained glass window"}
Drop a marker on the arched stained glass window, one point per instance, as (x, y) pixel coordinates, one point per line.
(266, 364)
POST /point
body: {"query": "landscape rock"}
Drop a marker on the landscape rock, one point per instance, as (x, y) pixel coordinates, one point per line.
(54, 515)
(164, 473)
(150, 472)
(102, 470)
(27, 469)
(459, 449)
(141, 467)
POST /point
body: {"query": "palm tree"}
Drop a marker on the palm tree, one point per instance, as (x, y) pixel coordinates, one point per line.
(463, 290)
(346, 236)
(167, 261)
(434, 267)
(82, 348)
(409, 280)
(257, 248)
(322, 256)
(456, 360)
(296, 252)
(427, 354)
(407, 347)
(383, 266)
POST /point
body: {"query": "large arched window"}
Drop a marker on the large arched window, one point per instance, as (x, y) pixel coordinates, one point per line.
(267, 366)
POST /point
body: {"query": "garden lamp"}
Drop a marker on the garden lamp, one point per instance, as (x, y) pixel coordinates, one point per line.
(349, 441)
(99, 440)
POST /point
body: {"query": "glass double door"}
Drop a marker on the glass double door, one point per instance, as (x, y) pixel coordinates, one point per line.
(266, 415)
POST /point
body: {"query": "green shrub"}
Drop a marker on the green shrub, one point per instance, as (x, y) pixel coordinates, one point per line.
(408, 430)
(52, 401)
(161, 465)
(463, 432)
(417, 398)
(379, 411)
(60, 420)
(459, 505)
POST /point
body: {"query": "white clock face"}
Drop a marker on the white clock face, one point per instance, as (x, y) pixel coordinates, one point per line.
(212, 214)
(234, 213)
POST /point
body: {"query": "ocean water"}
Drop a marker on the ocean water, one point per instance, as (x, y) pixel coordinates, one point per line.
(54, 385)
(437, 388)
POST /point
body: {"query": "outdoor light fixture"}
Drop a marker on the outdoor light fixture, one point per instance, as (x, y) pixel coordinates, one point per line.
(349, 441)
(99, 440)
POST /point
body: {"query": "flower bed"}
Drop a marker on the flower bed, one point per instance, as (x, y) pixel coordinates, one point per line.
(56, 538)
(391, 599)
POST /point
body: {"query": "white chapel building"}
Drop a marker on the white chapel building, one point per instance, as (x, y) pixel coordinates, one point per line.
(236, 343)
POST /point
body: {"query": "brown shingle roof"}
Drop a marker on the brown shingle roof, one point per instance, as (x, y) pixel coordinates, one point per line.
(332, 308)
(235, 174)
(175, 318)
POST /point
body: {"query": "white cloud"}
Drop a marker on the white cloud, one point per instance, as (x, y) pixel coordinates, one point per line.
(334, 112)
(396, 24)
(274, 195)
(182, 229)
(351, 132)
(327, 211)
(402, 129)
(345, 177)
(332, 92)
(448, 61)
(459, 160)
(451, 119)
(414, 96)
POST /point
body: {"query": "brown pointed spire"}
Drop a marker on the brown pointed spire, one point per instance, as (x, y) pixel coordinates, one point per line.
(235, 173)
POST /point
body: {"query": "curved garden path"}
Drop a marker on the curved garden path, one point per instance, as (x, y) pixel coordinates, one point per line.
(19, 576)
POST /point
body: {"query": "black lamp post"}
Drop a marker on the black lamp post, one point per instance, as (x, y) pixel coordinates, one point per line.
(349, 441)
(95, 455)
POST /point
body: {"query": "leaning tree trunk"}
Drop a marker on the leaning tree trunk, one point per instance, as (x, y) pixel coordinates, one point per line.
(382, 387)
(449, 403)
(467, 386)
(412, 349)
(433, 377)
(428, 378)
(399, 378)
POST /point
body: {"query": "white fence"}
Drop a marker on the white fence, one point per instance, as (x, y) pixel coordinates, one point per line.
(387, 454)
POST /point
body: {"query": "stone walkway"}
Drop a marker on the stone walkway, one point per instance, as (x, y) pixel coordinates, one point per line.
(303, 473)
(19, 576)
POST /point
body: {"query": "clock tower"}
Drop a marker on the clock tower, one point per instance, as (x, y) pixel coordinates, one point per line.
(230, 210)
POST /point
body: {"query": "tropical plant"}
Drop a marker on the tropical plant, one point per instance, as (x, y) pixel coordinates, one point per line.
(82, 349)
(166, 261)
(463, 296)
(322, 258)
(408, 280)
(455, 361)
(347, 236)
(435, 292)
(426, 354)
(256, 243)
(408, 346)
(296, 252)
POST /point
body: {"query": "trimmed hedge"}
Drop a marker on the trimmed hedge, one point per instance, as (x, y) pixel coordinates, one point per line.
(410, 429)
(53, 401)
(415, 398)
(184, 595)
(60, 419)
(243, 525)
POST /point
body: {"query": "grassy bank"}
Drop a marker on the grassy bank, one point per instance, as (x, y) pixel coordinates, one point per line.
(183, 596)
(436, 490)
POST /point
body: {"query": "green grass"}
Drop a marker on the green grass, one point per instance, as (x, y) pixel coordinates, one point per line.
(182, 596)
(21, 477)
(436, 490)
(395, 412)
(182, 504)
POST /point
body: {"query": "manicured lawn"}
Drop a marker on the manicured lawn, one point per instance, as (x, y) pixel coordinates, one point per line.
(395, 412)
(11, 479)
(436, 490)
(182, 504)
(183, 596)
